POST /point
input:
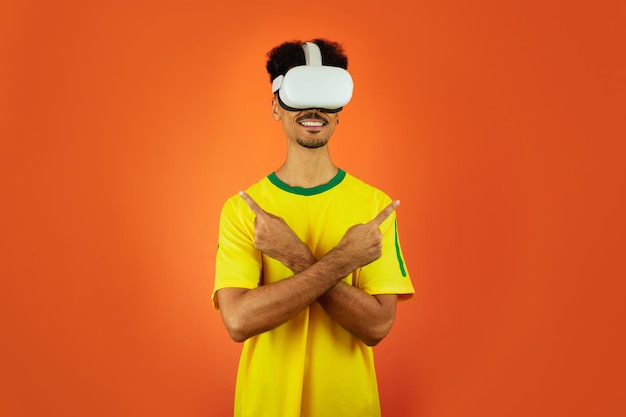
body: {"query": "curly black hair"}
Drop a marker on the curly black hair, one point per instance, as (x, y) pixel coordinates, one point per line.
(290, 54)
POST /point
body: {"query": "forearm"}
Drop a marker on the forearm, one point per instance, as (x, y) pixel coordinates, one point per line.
(367, 317)
(358, 312)
(250, 312)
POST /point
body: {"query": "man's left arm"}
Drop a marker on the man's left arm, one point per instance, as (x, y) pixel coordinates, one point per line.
(368, 317)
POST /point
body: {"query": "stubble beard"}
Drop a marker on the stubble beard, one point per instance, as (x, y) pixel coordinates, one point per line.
(312, 143)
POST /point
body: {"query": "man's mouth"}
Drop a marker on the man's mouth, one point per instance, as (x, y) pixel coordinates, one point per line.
(311, 121)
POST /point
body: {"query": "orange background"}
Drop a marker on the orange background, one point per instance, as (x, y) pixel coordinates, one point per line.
(500, 126)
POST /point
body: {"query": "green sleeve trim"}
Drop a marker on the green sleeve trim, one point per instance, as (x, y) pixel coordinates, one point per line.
(341, 174)
(399, 253)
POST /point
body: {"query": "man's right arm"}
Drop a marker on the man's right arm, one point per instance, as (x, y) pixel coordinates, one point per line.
(248, 312)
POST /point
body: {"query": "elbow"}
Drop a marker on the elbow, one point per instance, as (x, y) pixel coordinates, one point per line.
(233, 316)
(239, 338)
(236, 329)
(376, 334)
(372, 340)
(237, 335)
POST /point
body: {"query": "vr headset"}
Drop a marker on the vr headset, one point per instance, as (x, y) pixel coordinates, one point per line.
(313, 86)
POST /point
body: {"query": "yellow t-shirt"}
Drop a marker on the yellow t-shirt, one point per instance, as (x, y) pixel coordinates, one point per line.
(309, 366)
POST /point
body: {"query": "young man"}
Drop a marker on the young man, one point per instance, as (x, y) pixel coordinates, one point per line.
(309, 266)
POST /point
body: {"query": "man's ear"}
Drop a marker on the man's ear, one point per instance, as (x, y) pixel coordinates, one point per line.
(275, 109)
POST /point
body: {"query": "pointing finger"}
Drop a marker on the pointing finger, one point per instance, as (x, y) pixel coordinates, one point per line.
(256, 209)
(386, 212)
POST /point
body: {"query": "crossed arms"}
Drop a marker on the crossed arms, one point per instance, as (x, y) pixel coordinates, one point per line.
(248, 312)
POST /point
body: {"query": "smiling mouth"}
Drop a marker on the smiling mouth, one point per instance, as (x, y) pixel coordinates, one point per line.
(312, 123)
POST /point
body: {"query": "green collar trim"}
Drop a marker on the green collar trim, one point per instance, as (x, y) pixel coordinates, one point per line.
(341, 174)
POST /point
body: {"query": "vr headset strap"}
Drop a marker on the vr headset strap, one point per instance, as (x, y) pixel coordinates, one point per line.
(312, 54)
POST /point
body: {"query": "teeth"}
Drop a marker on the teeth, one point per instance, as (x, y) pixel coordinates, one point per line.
(308, 123)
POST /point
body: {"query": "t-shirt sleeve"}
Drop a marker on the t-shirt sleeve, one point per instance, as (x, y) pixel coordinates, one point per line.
(388, 274)
(238, 263)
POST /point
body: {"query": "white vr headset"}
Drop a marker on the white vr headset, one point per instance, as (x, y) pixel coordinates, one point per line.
(313, 86)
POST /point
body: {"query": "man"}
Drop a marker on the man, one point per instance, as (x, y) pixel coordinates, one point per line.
(309, 266)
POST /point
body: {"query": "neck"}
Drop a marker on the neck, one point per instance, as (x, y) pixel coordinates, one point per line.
(307, 167)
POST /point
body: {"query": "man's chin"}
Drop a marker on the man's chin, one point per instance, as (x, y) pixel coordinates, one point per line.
(312, 143)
